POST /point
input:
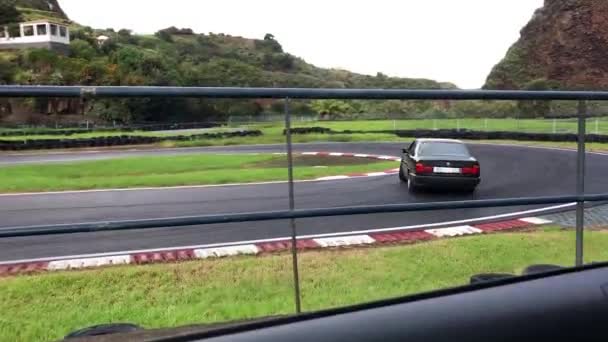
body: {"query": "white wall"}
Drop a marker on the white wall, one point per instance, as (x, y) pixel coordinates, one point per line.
(38, 38)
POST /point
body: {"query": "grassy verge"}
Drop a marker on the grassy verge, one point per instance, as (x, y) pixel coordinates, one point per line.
(47, 306)
(176, 170)
(507, 124)
(592, 147)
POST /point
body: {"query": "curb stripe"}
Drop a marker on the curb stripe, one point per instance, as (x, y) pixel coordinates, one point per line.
(226, 251)
(454, 231)
(504, 225)
(151, 257)
(535, 220)
(88, 262)
(402, 237)
(328, 178)
(267, 247)
(345, 241)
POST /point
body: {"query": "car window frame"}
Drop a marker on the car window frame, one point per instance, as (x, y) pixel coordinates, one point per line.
(411, 150)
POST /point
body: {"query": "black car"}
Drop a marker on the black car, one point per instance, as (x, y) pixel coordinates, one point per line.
(440, 163)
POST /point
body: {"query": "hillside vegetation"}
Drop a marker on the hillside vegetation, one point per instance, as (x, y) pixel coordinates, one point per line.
(181, 57)
(171, 57)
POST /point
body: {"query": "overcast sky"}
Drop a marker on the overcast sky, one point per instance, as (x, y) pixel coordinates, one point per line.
(446, 40)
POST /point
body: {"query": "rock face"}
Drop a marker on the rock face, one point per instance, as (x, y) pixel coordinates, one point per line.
(565, 43)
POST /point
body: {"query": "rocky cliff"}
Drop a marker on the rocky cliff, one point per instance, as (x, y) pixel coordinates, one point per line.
(564, 45)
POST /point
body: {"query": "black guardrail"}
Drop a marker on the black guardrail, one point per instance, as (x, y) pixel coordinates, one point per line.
(22, 131)
(287, 214)
(298, 93)
(120, 140)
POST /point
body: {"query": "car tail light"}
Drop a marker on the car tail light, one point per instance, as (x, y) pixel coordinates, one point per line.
(421, 168)
(473, 170)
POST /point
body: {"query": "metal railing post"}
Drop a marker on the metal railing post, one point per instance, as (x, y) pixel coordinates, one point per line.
(597, 126)
(580, 182)
(294, 247)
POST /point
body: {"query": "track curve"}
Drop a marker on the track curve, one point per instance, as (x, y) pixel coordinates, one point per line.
(507, 171)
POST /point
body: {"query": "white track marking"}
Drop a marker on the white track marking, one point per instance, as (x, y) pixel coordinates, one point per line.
(376, 174)
(454, 231)
(345, 241)
(89, 262)
(204, 253)
(329, 178)
(336, 154)
(362, 155)
(535, 220)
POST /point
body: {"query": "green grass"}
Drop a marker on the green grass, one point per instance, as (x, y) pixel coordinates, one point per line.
(47, 306)
(175, 170)
(517, 125)
(273, 132)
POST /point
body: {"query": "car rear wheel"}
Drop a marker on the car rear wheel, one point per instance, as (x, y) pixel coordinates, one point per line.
(410, 185)
(402, 175)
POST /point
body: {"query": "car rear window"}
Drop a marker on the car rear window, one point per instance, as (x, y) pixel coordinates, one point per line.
(443, 149)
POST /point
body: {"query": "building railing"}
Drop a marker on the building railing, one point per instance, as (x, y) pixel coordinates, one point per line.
(292, 214)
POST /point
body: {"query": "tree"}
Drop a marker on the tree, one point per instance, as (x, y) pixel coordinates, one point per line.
(9, 13)
(278, 61)
(164, 35)
(536, 108)
(269, 44)
(7, 72)
(331, 108)
(82, 49)
(124, 36)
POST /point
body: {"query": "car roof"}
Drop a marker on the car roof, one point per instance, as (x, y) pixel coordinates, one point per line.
(439, 140)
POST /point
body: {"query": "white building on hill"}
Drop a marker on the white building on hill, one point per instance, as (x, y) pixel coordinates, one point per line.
(37, 34)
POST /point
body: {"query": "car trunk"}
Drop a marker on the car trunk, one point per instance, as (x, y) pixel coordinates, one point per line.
(447, 166)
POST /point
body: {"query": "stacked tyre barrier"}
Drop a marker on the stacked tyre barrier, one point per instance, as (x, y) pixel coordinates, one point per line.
(122, 140)
(461, 134)
(499, 135)
(67, 132)
(132, 128)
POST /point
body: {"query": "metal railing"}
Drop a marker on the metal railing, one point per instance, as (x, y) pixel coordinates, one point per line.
(292, 214)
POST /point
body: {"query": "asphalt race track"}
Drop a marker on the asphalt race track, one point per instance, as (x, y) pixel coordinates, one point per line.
(507, 171)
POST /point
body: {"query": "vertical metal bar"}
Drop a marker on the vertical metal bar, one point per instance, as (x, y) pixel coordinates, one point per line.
(597, 126)
(485, 124)
(554, 126)
(580, 182)
(294, 247)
